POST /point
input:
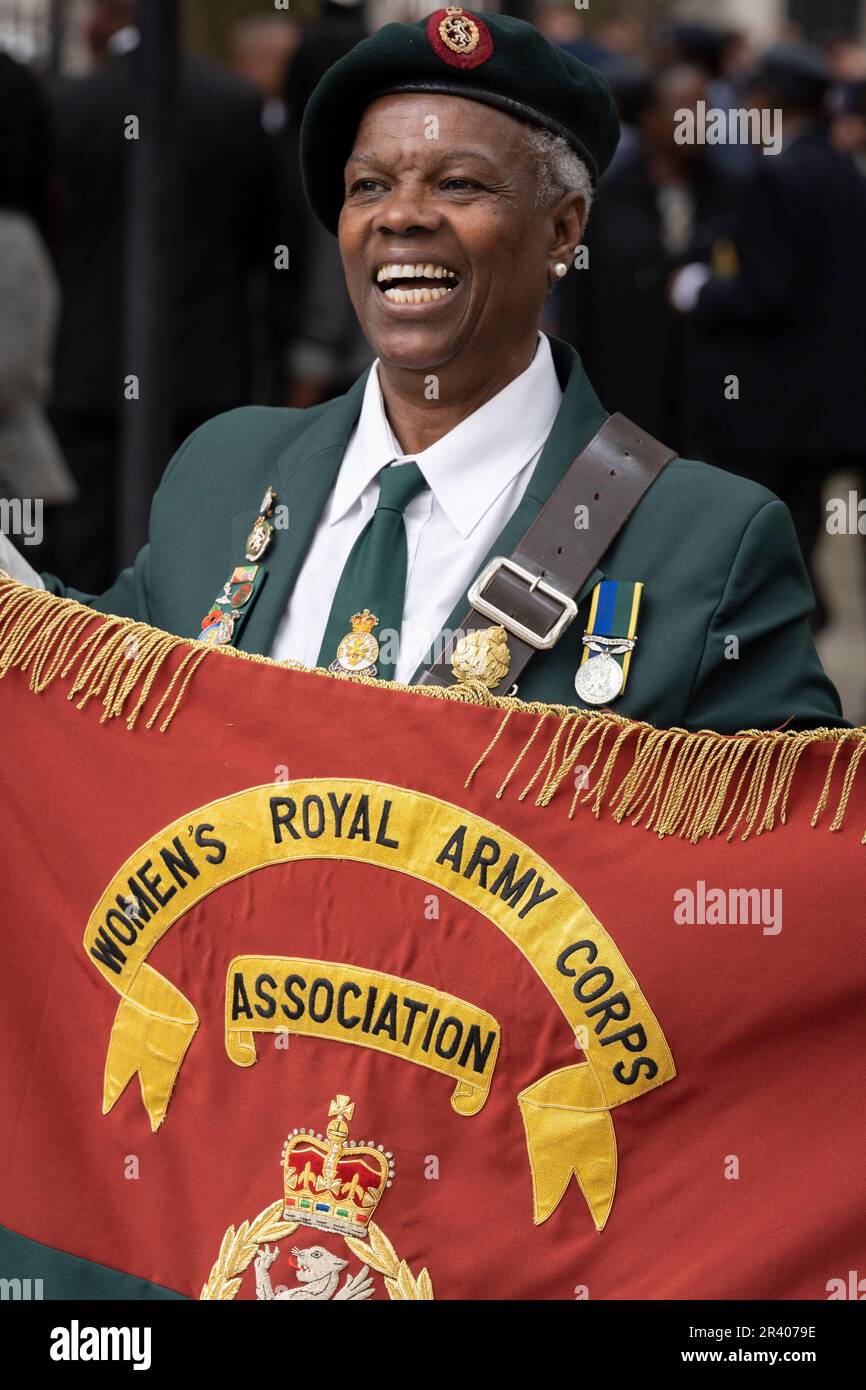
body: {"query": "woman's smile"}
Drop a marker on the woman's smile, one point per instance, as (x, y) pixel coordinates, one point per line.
(416, 283)
(417, 286)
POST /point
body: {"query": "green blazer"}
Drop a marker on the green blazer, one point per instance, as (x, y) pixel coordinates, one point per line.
(717, 554)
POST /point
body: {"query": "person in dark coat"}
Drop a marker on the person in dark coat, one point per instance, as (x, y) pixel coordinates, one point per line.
(660, 205)
(226, 230)
(778, 354)
(327, 349)
(31, 465)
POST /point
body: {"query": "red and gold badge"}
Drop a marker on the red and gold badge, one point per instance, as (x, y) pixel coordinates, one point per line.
(459, 39)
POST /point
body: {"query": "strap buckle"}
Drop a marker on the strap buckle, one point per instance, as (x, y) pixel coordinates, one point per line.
(541, 642)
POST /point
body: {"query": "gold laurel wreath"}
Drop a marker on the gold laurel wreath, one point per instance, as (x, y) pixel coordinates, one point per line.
(239, 1248)
(399, 1279)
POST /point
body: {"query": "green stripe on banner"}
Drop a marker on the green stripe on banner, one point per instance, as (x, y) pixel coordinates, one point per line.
(30, 1271)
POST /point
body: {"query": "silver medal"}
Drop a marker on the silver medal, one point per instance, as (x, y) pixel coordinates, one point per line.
(599, 680)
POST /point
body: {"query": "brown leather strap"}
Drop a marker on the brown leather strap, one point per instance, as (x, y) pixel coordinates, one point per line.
(608, 478)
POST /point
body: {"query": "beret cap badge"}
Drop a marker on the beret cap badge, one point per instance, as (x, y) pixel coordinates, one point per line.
(458, 38)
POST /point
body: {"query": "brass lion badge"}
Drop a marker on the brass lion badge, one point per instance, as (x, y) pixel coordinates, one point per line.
(459, 31)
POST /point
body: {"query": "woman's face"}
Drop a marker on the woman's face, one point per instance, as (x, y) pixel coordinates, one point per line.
(447, 185)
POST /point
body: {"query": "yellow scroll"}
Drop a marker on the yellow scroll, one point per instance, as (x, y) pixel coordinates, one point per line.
(500, 877)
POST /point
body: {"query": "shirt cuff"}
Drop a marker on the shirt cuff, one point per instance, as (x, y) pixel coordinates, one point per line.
(686, 286)
(15, 565)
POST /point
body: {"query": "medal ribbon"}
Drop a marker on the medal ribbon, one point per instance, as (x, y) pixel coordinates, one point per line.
(613, 613)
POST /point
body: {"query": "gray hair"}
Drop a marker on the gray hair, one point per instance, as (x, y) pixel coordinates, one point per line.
(559, 168)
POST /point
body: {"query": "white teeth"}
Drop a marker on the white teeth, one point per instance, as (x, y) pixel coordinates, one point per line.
(428, 271)
(416, 296)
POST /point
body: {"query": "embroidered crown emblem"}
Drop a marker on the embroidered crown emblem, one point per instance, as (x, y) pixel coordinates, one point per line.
(333, 1183)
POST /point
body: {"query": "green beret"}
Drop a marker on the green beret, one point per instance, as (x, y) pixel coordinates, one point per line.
(494, 59)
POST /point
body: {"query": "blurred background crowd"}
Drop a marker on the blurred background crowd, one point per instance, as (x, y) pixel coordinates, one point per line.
(155, 274)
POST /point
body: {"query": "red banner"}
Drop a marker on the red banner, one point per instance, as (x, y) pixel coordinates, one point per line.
(317, 988)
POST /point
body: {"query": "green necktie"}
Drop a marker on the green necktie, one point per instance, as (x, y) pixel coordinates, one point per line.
(374, 575)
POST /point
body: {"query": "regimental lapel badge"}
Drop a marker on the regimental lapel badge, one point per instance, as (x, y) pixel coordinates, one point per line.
(609, 641)
(334, 1185)
(482, 655)
(219, 624)
(262, 533)
(358, 651)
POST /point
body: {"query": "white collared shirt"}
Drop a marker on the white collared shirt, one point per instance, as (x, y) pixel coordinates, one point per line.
(476, 476)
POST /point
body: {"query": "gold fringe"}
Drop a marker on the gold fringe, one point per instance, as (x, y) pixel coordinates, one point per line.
(674, 782)
(680, 783)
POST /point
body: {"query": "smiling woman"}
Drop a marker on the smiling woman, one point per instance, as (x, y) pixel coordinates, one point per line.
(466, 203)
(470, 494)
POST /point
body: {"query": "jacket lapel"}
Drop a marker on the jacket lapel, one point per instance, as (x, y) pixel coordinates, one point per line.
(580, 416)
(305, 473)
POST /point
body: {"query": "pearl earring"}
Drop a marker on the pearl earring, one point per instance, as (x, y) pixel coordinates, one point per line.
(560, 269)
